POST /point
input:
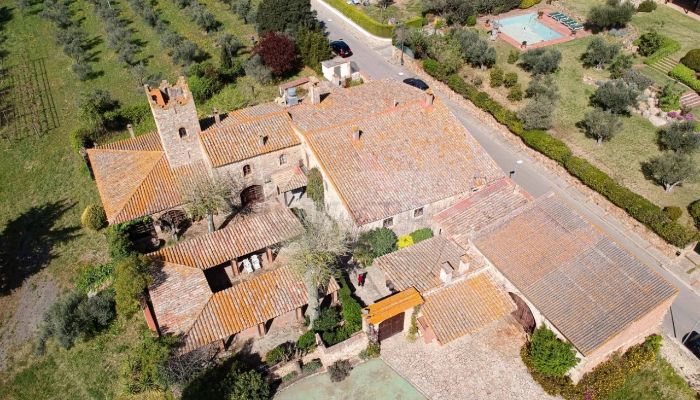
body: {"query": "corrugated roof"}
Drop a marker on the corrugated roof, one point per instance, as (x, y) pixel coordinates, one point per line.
(238, 140)
(587, 286)
(464, 307)
(392, 306)
(245, 234)
(407, 156)
(134, 178)
(419, 265)
(289, 179)
(482, 208)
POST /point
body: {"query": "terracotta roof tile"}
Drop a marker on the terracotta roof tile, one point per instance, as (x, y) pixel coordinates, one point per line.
(289, 179)
(234, 141)
(392, 306)
(464, 307)
(587, 286)
(407, 156)
(482, 208)
(419, 265)
(245, 234)
(134, 178)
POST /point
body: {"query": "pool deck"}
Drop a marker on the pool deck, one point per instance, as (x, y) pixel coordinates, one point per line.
(545, 20)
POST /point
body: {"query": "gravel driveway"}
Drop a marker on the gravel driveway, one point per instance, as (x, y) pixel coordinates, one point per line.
(484, 365)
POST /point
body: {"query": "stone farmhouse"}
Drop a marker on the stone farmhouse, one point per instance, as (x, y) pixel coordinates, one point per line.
(501, 252)
(390, 156)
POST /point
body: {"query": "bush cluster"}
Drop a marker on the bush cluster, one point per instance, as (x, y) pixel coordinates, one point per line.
(649, 43)
(339, 370)
(668, 47)
(281, 353)
(362, 19)
(635, 205)
(374, 243)
(604, 379)
(549, 355)
(686, 75)
(646, 6)
(692, 60)
(307, 341)
(496, 77)
(421, 235)
(612, 14)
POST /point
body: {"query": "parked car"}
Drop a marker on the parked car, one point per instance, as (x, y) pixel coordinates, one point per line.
(692, 342)
(415, 82)
(341, 48)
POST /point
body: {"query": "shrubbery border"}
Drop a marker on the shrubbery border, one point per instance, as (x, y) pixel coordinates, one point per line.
(366, 22)
(637, 206)
(685, 75)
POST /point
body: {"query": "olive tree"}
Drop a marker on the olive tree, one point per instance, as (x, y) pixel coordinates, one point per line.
(601, 125)
(680, 137)
(599, 53)
(615, 96)
(671, 169)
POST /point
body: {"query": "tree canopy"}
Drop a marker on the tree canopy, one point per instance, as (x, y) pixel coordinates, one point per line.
(549, 355)
(599, 52)
(615, 96)
(286, 16)
(680, 137)
(541, 60)
(602, 125)
(671, 169)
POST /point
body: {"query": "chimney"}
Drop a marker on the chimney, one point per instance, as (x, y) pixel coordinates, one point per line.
(262, 140)
(396, 103)
(315, 94)
(217, 118)
(429, 97)
(464, 264)
(356, 133)
(446, 272)
(131, 130)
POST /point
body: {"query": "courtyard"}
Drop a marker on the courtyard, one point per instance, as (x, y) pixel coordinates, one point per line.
(371, 380)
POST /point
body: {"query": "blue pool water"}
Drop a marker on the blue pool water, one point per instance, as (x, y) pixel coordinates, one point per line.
(527, 27)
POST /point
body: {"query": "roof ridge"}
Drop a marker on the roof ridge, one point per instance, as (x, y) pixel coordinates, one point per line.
(220, 126)
(145, 176)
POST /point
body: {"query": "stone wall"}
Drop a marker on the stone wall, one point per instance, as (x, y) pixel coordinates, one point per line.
(343, 350)
(262, 167)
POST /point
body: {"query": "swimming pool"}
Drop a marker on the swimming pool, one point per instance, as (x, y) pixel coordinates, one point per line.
(527, 28)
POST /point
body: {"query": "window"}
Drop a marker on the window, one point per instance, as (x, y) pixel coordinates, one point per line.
(388, 223)
(183, 132)
(283, 159)
(246, 170)
(418, 212)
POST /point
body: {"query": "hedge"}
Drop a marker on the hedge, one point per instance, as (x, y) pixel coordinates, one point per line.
(362, 19)
(668, 47)
(638, 207)
(685, 75)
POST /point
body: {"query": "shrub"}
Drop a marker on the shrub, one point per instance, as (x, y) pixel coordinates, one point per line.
(360, 18)
(93, 217)
(328, 319)
(285, 16)
(649, 43)
(477, 81)
(510, 79)
(307, 341)
(339, 370)
(513, 56)
(670, 97)
(313, 47)
(685, 75)
(612, 14)
(203, 87)
(372, 351)
(680, 137)
(290, 376)
(547, 145)
(471, 20)
(433, 68)
(692, 60)
(84, 138)
(421, 235)
(350, 309)
(311, 366)
(551, 356)
(412, 334)
(671, 169)
(93, 276)
(542, 86)
(615, 96)
(131, 278)
(636, 78)
(118, 242)
(620, 64)
(528, 3)
(475, 49)
(541, 61)
(279, 354)
(143, 367)
(515, 93)
(694, 211)
(668, 47)
(404, 241)
(646, 6)
(374, 243)
(673, 212)
(314, 187)
(496, 77)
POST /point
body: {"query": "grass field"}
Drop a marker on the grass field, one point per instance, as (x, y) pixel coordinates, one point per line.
(656, 382)
(45, 185)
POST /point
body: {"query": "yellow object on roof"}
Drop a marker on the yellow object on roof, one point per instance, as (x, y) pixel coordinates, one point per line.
(393, 305)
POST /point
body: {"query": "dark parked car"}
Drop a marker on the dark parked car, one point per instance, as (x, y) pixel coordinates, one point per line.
(341, 48)
(415, 82)
(692, 342)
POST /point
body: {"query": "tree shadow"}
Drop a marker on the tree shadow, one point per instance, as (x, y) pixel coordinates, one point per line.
(27, 243)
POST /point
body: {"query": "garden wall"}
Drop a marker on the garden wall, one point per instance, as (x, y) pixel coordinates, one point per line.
(343, 350)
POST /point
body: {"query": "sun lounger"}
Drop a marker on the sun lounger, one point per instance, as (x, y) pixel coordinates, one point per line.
(247, 267)
(256, 262)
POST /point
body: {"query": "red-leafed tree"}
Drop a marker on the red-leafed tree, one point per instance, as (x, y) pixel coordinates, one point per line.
(278, 53)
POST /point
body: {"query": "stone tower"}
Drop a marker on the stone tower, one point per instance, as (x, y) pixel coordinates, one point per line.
(175, 114)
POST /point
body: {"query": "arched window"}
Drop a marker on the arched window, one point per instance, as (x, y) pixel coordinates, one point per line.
(246, 170)
(283, 159)
(183, 132)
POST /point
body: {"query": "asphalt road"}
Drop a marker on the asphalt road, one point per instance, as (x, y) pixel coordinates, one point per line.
(372, 60)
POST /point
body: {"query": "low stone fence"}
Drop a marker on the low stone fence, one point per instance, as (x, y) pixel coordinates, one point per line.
(343, 350)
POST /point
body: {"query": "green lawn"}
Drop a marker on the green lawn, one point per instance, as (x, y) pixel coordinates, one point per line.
(656, 382)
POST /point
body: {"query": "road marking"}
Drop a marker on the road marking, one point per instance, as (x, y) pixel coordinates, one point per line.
(400, 73)
(519, 162)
